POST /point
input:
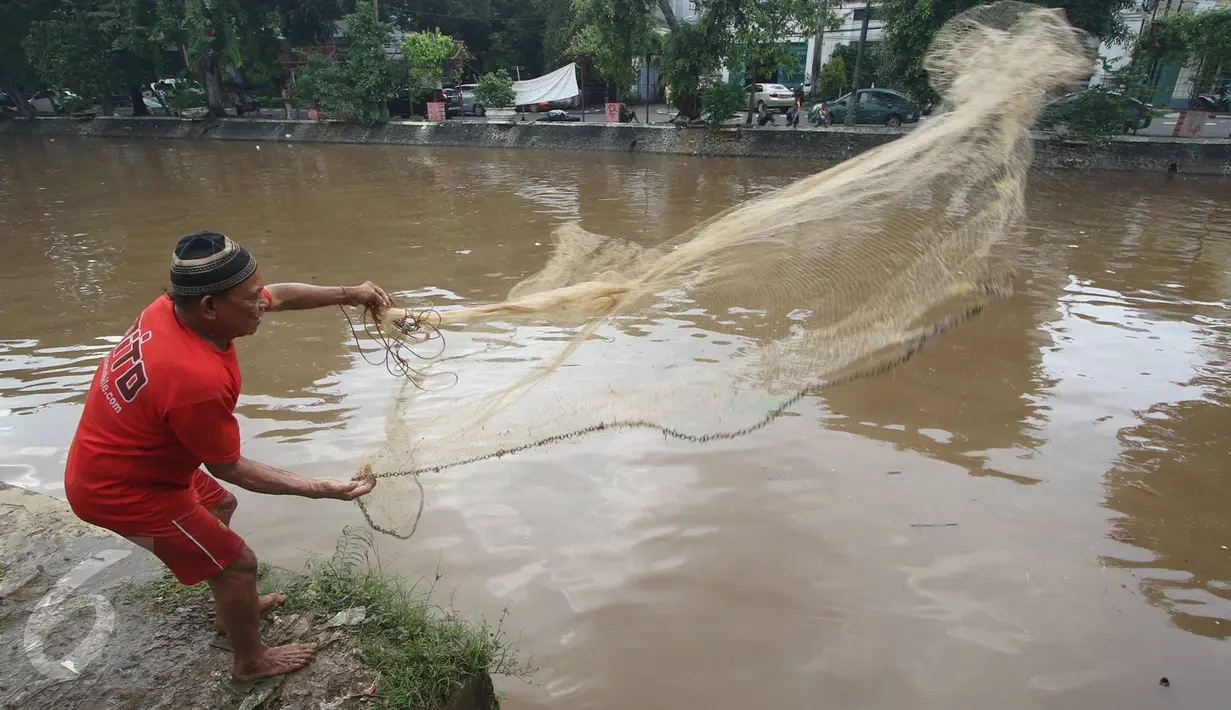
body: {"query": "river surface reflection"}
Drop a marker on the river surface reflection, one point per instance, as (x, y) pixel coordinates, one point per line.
(1032, 513)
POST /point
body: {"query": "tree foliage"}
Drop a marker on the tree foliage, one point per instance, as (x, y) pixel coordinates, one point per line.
(532, 34)
(427, 53)
(833, 79)
(741, 35)
(16, 16)
(909, 26)
(615, 34)
(870, 72)
(691, 61)
(1202, 37)
(67, 51)
(96, 48)
(360, 88)
(495, 89)
(560, 26)
(759, 30)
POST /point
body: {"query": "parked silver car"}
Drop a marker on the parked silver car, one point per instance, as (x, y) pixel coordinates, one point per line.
(470, 104)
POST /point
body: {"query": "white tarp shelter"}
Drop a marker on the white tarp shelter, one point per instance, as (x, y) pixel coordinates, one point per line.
(558, 85)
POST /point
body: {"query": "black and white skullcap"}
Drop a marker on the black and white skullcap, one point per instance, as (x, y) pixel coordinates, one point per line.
(208, 263)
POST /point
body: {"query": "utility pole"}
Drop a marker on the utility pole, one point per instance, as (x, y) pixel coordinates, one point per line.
(581, 59)
(863, 39)
(816, 49)
(647, 89)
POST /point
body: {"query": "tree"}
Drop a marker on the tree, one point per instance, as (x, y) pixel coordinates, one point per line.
(615, 34)
(358, 90)
(16, 17)
(306, 22)
(427, 53)
(834, 79)
(242, 35)
(827, 19)
(911, 24)
(560, 26)
(692, 58)
(97, 48)
(68, 52)
(131, 26)
(1202, 37)
(531, 34)
(495, 89)
(759, 38)
(869, 73)
(739, 34)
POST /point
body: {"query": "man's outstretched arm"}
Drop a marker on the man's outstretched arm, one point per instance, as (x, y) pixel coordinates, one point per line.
(299, 297)
(263, 478)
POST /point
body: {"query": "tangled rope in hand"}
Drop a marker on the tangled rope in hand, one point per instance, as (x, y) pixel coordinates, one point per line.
(420, 325)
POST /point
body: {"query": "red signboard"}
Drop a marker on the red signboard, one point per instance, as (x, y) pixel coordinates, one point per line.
(435, 111)
(613, 113)
(1189, 124)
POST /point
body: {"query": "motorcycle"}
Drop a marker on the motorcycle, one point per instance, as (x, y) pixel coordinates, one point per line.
(1213, 103)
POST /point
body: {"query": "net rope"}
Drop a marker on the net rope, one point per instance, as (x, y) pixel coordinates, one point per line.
(719, 331)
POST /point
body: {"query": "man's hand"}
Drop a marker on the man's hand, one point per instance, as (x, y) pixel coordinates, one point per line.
(369, 295)
(342, 490)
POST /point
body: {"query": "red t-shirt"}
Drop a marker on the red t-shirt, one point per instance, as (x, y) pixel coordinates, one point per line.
(161, 404)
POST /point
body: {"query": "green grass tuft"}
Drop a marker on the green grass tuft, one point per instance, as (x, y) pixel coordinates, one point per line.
(423, 653)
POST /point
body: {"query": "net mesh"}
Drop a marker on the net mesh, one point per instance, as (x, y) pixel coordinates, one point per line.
(719, 330)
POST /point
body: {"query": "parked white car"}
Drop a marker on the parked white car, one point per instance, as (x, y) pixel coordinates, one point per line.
(770, 96)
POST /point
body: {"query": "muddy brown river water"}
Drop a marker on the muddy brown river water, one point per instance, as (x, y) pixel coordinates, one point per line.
(1035, 512)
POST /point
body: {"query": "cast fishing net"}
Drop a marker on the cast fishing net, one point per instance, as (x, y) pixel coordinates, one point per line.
(719, 330)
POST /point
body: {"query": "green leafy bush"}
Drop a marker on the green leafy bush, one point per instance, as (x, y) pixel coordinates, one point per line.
(1100, 112)
(833, 79)
(721, 101)
(1095, 115)
(495, 89)
(184, 100)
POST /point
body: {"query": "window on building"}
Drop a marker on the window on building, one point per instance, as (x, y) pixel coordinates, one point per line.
(861, 11)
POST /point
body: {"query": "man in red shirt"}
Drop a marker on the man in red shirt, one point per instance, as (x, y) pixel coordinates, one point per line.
(162, 405)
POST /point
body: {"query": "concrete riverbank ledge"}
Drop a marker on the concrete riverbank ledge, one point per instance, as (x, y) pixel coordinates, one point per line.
(89, 620)
(1198, 156)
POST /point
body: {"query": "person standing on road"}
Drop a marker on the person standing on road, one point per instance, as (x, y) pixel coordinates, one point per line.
(162, 404)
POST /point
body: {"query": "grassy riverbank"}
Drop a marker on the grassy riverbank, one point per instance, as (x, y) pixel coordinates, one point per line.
(420, 653)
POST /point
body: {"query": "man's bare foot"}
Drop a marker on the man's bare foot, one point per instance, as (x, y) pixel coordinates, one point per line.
(274, 661)
(267, 602)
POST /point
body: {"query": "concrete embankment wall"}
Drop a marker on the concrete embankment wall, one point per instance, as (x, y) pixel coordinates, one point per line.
(1201, 156)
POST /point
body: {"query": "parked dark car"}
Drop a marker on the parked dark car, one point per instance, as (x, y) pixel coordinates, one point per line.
(1137, 115)
(877, 107)
(402, 107)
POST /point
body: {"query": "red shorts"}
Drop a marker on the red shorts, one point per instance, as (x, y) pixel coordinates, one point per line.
(194, 545)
